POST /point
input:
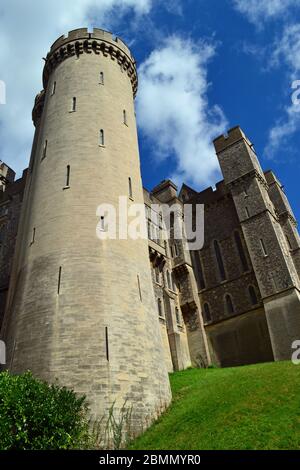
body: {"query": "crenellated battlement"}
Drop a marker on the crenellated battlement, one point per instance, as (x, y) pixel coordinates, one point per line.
(233, 135)
(80, 41)
(83, 33)
(38, 107)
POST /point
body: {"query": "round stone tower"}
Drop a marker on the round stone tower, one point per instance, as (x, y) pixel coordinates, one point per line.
(80, 309)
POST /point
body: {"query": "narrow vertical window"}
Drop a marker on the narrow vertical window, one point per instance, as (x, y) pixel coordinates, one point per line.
(53, 88)
(125, 117)
(173, 283)
(73, 108)
(219, 260)
(198, 269)
(159, 307)
(102, 223)
(157, 275)
(77, 49)
(106, 344)
(252, 295)
(33, 236)
(206, 313)
(176, 251)
(172, 216)
(101, 137)
(59, 280)
(139, 287)
(101, 78)
(45, 149)
(169, 280)
(263, 247)
(130, 188)
(247, 211)
(68, 176)
(241, 251)
(177, 314)
(229, 304)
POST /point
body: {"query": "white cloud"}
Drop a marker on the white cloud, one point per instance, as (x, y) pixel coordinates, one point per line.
(287, 50)
(173, 109)
(286, 53)
(27, 29)
(258, 11)
(172, 102)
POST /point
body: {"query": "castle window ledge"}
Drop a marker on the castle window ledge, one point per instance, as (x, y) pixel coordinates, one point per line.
(102, 146)
(248, 271)
(131, 198)
(156, 247)
(66, 187)
(162, 319)
(200, 291)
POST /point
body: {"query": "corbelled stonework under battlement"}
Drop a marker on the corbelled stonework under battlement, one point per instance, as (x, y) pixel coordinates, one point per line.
(110, 318)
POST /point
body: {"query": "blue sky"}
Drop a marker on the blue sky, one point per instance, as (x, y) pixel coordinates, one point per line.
(204, 66)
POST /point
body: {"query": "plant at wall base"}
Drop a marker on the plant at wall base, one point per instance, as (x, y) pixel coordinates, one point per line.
(35, 415)
(213, 366)
(120, 428)
(200, 363)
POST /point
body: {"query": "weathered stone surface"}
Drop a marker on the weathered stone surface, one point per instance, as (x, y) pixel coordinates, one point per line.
(109, 318)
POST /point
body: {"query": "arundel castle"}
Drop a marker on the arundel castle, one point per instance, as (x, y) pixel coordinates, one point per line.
(110, 318)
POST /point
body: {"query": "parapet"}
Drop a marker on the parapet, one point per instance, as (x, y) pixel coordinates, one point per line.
(83, 33)
(38, 107)
(165, 191)
(210, 195)
(233, 136)
(272, 178)
(7, 175)
(80, 41)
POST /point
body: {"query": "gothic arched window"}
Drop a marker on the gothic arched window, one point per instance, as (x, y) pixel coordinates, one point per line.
(252, 295)
(229, 304)
(241, 251)
(206, 313)
(219, 260)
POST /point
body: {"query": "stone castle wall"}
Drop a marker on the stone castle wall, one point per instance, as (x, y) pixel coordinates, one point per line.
(82, 310)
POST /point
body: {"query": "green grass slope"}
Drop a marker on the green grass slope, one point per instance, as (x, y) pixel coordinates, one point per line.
(251, 407)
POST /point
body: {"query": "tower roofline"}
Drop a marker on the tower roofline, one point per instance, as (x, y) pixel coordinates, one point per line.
(97, 33)
(233, 135)
(99, 42)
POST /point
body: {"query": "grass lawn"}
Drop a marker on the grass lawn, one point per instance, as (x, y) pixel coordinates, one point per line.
(251, 407)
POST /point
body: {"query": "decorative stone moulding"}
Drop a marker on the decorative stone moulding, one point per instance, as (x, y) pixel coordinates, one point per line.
(99, 42)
